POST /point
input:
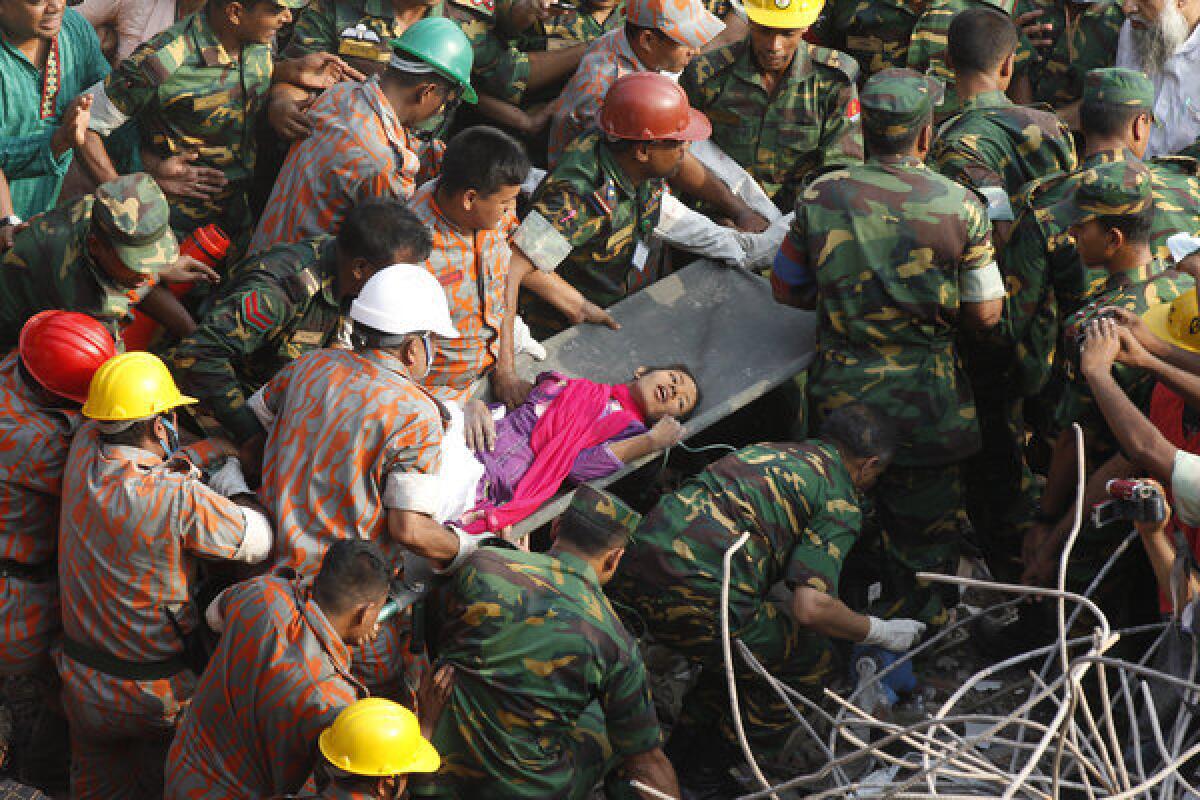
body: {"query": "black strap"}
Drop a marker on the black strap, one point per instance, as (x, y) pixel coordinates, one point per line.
(119, 667)
(31, 573)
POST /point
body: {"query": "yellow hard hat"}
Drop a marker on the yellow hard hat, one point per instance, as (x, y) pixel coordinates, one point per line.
(1177, 322)
(132, 386)
(784, 13)
(376, 737)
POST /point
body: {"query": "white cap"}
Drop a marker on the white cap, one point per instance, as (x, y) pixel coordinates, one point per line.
(401, 299)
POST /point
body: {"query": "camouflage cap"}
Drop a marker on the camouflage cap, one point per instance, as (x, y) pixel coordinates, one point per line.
(593, 507)
(1116, 189)
(131, 212)
(895, 102)
(1119, 86)
(688, 22)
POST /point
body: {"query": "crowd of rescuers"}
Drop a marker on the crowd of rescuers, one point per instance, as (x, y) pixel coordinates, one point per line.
(266, 267)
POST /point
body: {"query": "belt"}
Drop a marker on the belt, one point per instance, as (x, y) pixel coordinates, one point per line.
(119, 667)
(32, 573)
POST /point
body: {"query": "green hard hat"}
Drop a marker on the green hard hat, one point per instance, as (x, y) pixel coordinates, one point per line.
(441, 44)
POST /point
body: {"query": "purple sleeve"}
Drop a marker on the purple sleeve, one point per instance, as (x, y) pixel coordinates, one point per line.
(599, 462)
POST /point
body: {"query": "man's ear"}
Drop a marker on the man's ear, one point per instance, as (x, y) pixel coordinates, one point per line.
(234, 12)
(469, 197)
(613, 558)
(1008, 65)
(1116, 239)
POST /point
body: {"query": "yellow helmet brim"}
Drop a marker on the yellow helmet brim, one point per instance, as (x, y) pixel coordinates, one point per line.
(800, 15)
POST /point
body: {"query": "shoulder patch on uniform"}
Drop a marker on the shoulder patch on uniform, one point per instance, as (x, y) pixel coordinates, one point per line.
(255, 313)
(1184, 165)
(842, 62)
(486, 7)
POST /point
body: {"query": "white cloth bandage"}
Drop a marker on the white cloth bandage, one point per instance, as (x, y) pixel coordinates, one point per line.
(689, 230)
(459, 472)
(229, 480)
(256, 542)
(735, 176)
(258, 406)
(541, 242)
(981, 285)
(106, 117)
(413, 491)
(1185, 487)
(468, 543)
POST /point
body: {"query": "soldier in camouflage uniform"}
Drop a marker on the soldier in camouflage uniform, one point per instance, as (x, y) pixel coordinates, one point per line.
(99, 255)
(358, 31)
(875, 33)
(545, 672)
(1085, 39)
(780, 107)
(190, 94)
(1112, 213)
(800, 504)
(893, 292)
(927, 50)
(1046, 278)
(996, 147)
(583, 26)
(283, 303)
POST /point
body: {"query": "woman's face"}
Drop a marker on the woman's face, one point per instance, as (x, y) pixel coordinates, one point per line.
(665, 392)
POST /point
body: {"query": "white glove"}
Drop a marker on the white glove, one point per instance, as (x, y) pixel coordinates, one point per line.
(229, 480)
(523, 341)
(760, 248)
(896, 635)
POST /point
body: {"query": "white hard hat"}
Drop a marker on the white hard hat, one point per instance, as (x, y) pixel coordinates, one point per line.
(402, 299)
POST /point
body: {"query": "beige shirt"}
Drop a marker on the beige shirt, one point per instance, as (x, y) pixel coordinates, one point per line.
(134, 21)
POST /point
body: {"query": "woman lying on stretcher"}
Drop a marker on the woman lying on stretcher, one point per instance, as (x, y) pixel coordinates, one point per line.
(567, 429)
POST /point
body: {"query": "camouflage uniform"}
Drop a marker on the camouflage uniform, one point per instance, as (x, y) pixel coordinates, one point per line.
(586, 223)
(1045, 277)
(801, 509)
(325, 26)
(188, 93)
(1086, 39)
(874, 32)
(809, 121)
(993, 144)
(889, 287)
(50, 265)
(544, 673)
(568, 29)
(927, 50)
(500, 70)
(279, 305)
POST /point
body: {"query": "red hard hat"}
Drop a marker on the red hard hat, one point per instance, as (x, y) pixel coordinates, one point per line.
(61, 350)
(646, 106)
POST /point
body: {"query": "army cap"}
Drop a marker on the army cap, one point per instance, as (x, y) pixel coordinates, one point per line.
(596, 508)
(131, 213)
(1116, 189)
(1119, 86)
(687, 22)
(895, 102)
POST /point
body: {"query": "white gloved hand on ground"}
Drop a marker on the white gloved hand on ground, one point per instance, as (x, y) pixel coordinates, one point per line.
(229, 480)
(896, 635)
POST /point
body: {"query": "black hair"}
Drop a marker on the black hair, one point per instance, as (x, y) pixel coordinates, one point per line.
(979, 39)
(881, 145)
(375, 230)
(485, 159)
(1136, 228)
(589, 535)
(686, 370)
(353, 572)
(861, 432)
(1107, 120)
(132, 436)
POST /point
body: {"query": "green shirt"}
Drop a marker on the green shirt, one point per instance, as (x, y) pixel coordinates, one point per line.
(890, 243)
(809, 121)
(188, 93)
(1086, 42)
(534, 643)
(279, 305)
(34, 174)
(590, 220)
(927, 50)
(993, 142)
(49, 266)
(796, 500)
(320, 26)
(875, 33)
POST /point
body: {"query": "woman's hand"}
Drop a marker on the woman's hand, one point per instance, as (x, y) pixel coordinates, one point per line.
(667, 432)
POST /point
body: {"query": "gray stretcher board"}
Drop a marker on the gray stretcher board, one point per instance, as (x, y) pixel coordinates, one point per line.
(721, 322)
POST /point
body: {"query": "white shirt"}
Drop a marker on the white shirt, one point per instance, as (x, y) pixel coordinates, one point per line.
(1176, 93)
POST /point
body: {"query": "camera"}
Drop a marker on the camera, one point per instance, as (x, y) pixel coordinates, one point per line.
(1132, 501)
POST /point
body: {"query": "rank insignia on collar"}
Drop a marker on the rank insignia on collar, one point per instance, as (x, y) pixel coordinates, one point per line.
(604, 199)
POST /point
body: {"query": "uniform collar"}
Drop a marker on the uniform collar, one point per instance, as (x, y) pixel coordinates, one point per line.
(212, 52)
(385, 360)
(1106, 157)
(322, 629)
(747, 69)
(577, 566)
(898, 161)
(993, 98)
(327, 271)
(1142, 274)
(610, 168)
